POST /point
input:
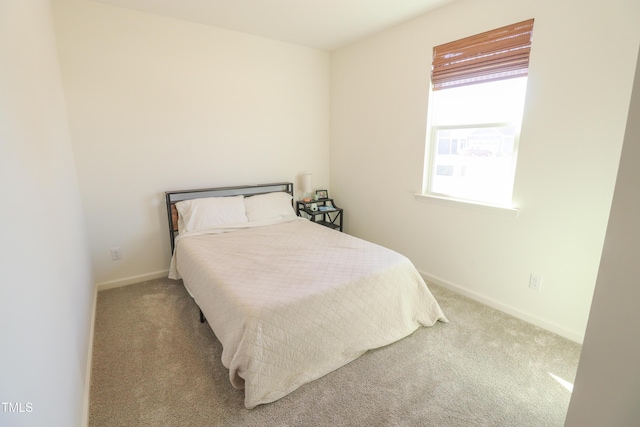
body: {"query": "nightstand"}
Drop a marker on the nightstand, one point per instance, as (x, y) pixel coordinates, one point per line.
(326, 212)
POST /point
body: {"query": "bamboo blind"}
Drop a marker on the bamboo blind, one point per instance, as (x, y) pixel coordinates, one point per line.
(493, 55)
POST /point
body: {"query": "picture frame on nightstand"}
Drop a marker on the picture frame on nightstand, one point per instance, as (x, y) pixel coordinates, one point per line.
(322, 194)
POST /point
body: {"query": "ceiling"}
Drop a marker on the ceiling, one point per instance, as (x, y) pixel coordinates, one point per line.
(321, 24)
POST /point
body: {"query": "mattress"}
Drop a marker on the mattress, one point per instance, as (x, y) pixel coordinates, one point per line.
(293, 301)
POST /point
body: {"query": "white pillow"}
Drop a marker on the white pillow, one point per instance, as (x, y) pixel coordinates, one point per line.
(198, 214)
(269, 207)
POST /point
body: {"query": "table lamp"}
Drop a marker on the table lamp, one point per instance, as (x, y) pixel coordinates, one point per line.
(306, 187)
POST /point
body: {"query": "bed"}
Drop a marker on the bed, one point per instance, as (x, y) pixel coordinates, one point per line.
(289, 300)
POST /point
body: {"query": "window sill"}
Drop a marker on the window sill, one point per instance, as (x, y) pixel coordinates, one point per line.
(467, 204)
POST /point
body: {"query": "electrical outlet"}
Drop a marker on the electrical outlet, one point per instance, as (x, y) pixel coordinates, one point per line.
(116, 254)
(535, 282)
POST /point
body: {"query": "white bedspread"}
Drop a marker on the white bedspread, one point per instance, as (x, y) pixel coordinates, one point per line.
(293, 301)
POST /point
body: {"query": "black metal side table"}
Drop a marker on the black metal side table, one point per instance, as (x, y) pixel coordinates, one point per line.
(322, 211)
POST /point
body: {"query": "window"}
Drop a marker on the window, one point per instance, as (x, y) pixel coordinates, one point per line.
(476, 106)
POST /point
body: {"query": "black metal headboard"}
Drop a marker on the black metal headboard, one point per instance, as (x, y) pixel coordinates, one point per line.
(172, 197)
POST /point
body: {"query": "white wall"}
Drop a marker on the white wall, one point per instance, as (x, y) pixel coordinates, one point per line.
(160, 104)
(46, 296)
(569, 151)
(606, 389)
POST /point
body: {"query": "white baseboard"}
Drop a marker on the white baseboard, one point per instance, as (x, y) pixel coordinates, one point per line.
(132, 280)
(503, 307)
(87, 386)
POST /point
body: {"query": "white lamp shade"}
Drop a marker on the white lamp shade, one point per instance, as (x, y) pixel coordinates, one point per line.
(306, 183)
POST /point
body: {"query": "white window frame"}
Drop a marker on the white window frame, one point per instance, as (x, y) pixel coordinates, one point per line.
(495, 55)
(432, 167)
(431, 196)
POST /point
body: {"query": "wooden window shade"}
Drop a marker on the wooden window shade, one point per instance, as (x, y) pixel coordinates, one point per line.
(499, 54)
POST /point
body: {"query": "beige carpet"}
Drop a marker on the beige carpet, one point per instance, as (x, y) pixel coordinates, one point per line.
(154, 364)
